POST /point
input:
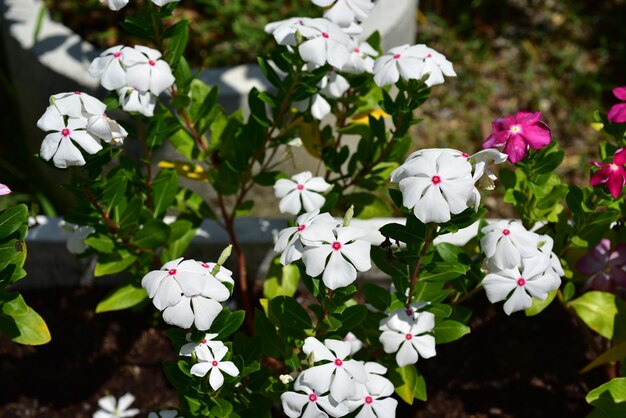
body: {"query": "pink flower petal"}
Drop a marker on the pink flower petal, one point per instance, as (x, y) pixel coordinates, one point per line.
(515, 149)
(4, 190)
(620, 156)
(526, 118)
(615, 183)
(600, 177)
(537, 135)
(496, 139)
(620, 92)
(503, 123)
(617, 114)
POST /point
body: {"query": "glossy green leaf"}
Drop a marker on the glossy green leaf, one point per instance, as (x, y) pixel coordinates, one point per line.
(123, 297)
(450, 330)
(114, 263)
(281, 280)
(20, 322)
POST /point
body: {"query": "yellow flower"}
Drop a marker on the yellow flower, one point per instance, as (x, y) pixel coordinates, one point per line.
(185, 169)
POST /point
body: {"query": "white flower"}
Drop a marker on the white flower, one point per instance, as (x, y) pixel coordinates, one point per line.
(146, 72)
(109, 67)
(336, 373)
(310, 404)
(133, 100)
(284, 31)
(164, 2)
(319, 107)
(289, 243)
(435, 185)
(213, 362)
(168, 413)
(301, 191)
(58, 145)
(435, 65)
(355, 343)
(373, 397)
(361, 59)
(119, 4)
(4, 190)
(506, 242)
(333, 84)
(76, 242)
(345, 254)
(206, 341)
(345, 12)
(110, 408)
(327, 43)
(77, 104)
(106, 129)
(408, 337)
(483, 161)
(545, 247)
(536, 279)
(412, 62)
(223, 274)
(285, 379)
(354, 29)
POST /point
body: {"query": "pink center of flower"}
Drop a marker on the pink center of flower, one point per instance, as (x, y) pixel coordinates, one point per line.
(151, 63)
(429, 56)
(312, 397)
(409, 312)
(117, 55)
(331, 69)
(172, 272)
(301, 228)
(436, 179)
(614, 167)
(505, 232)
(77, 92)
(214, 363)
(369, 399)
(357, 50)
(65, 132)
(205, 265)
(336, 246)
(464, 155)
(203, 341)
(324, 35)
(396, 56)
(300, 187)
(515, 129)
(521, 281)
(338, 362)
(408, 337)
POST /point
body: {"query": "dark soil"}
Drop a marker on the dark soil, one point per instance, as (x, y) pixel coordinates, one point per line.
(507, 367)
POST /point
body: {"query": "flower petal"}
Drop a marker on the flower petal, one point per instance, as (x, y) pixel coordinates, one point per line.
(205, 311)
(406, 355)
(216, 379)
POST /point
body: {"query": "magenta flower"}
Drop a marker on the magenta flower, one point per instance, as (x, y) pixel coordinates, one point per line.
(617, 114)
(4, 190)
(516, 133)
(605, 266)
(613, 174)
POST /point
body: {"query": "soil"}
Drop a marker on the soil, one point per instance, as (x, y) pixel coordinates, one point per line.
(507, 367)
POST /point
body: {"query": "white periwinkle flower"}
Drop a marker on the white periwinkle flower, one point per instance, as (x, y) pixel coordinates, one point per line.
(284, 31)
(206, 341)
(212, 361)
(361, 59)
(134, 100)
(109, 67)
(318, 106)
(335, 252)
(410, 337)
(345, 12)
(289, 242)
(59, 145)
(373, 397)
(303, 190)
(110, 408)
(186, 293)
(335, 373)
(77, 104)
(435, 184)
(412, 62)
(535, 278)
(307, 403)
(505, 243)
(334, 84)
(76, 242)
(355, 343)
(106, 129)
(326, 43)
(119, 4)
(483, 162)
(147, 72)
(223, 274)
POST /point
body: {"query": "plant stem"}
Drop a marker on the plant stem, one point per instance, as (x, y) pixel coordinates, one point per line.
(414, 277)
(147, 160)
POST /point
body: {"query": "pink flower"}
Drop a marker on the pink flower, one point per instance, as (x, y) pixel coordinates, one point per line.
(606, 268)
(613, 174)
(617, 114)
(4, 190)
(518, 132)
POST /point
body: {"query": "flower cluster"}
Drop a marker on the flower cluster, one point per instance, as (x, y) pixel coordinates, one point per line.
(605, 265)
(187, 292)
(76, 118)
(521, 265)
(440, 182)
(517, 133)
(337, 386)
(119, 4)
(138, 74)
(408, 333)
(328, 249)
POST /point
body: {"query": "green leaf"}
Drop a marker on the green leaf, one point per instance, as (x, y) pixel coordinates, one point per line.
(114, 263)
(377, 296)
(101, 243)
(20, 322)
(221, 407)
(608, 399)
(227, 322)
(539, 305)
(153, 234)
(182, 233)
(402, 233)
(407, 383)
(353, 316)
(599, 310)
(615, 353)
(289, 316)
(11, 219)
(450, 330)
(177, 37)
(616, 387)
(123, 297)
(281, 280)
(444, 271)
(164, 189)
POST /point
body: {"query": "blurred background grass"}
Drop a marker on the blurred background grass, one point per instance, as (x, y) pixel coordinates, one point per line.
(559, 57)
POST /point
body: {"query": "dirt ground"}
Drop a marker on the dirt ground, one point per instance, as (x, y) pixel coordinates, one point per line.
(507, 367)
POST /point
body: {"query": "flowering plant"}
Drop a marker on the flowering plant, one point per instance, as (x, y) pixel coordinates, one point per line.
(333, 346)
